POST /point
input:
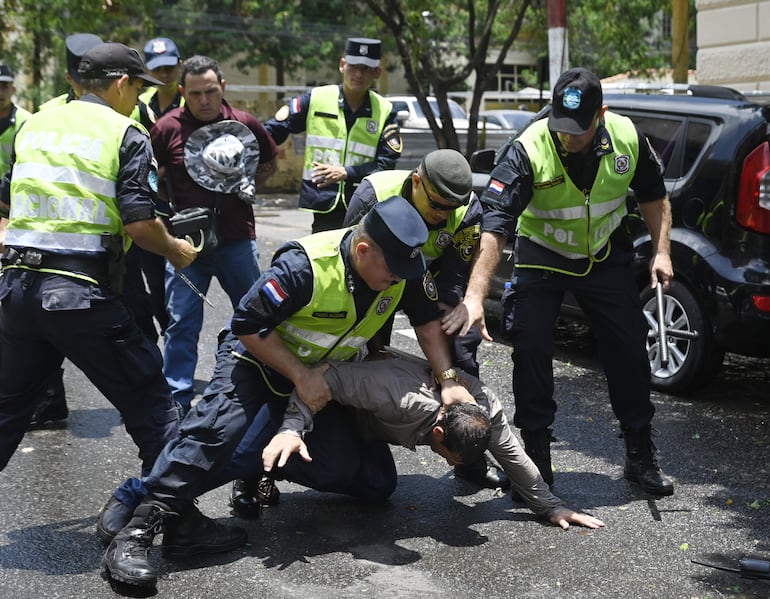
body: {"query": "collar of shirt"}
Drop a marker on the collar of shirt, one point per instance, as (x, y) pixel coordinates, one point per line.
(365, 109)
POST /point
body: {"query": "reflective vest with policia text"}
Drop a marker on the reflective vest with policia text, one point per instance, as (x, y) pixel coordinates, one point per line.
(63, 189)
(328, 141)
(576, 226)
(18, 116)
(326, 328)
(391, 183)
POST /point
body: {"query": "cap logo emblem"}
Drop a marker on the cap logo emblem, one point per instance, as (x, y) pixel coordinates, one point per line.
(159, 47)
(363, 50)
(572, 98)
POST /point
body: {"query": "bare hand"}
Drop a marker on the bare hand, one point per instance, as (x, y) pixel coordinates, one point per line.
(563, 517)
(463, 317)
(313, 389)
(661, 270)
(452, 393)
(327, 174)
(182, 255)
(280, 448)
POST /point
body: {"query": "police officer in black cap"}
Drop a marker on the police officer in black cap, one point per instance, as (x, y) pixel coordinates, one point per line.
(322, 298)
(561, 192)
(351, 127)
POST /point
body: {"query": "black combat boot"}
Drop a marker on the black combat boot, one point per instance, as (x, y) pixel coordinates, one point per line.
(126, 558)
(249, 496)
(537, 444)
(642, 464)
(483, 474)
(111, 520)
(193, 533)
(53, 405)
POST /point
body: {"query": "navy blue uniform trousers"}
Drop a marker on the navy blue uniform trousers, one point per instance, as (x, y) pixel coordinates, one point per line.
(222, 438)
(610, 298)
(46, 317)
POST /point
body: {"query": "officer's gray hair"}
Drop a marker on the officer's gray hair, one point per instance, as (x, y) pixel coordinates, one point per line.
(198, 65)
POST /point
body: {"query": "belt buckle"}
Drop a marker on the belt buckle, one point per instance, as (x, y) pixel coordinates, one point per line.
(32, 258)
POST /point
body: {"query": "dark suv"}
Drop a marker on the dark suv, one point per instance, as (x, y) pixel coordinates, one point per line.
(715, 147)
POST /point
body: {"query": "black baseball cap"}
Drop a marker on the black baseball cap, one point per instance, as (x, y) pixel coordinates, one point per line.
(577, 97)
(77, 45)
(363, 50)
(113, 60)
(6, 73)
(396, 226)
(450, 174)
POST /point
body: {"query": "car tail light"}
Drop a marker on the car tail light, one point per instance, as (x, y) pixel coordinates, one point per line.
(753, 205)
(761, 302)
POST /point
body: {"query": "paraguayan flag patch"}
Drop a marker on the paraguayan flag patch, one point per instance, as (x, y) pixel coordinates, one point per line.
(274, 292)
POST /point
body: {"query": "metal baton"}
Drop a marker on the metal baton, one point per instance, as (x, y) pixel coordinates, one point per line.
(192, 286)
(662, 336)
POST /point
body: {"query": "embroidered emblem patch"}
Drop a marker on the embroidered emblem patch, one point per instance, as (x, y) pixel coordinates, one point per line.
(274, 292)
(429, 286)
(383, 305)
(622, 164)
(496, 187)
(283, 113)
(443, 239)
(371, 126)
(572, 98)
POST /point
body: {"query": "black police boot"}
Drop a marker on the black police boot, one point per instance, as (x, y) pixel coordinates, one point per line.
(126, 558)
(642, 464)
(537, 444)
(247, 497)
(193, 533)
(112, 518)
(483, 474)
(53, 406)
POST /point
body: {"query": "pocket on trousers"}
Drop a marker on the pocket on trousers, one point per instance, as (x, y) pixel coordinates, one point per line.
(65, 297)
(139, 360)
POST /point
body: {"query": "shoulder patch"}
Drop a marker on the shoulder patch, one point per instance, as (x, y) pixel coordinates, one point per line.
(466, 241)
(429, 286)
(273, 291)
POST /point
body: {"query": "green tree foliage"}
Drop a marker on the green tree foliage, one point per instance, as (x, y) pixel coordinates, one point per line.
(289, 35)
(34, 32)
(441, 48)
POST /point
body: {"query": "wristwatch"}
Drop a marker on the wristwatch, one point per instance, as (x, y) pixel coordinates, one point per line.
(448, 374)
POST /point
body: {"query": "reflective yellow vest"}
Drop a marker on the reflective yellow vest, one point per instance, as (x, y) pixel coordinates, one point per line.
(6, 137)
(145, 98)
(326, 328)
(390, 183)
(329, 141)
(560, 217)
(63, 187)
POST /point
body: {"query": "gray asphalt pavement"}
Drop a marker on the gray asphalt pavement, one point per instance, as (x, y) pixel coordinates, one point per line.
(436, 536)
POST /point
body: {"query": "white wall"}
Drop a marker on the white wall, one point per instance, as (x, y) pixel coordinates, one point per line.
(734, 43)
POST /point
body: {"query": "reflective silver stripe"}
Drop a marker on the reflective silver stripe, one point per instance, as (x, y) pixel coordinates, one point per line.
(64, 174)
(570, 255)
(608, 207)
(324, 340)
(43, 240)
(362, 149)
(307, 173)
(319, 141)
(560, 213)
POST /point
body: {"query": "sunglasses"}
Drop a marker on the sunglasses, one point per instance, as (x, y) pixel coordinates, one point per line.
(437, 206)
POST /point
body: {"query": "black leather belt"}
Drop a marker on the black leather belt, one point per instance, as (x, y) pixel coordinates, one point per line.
(95, 268)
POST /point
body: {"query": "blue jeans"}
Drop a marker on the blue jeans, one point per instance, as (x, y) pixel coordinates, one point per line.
(236, 266)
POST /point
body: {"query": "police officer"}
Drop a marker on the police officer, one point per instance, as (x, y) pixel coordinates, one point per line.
(441, 189)
(351, 132)
(79, 189)
(165, 64)
(565, 182)
(77, 45)
(323, 297)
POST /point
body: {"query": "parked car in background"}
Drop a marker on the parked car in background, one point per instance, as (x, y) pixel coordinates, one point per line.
(411, 116)
(715, 149)
(514, 120)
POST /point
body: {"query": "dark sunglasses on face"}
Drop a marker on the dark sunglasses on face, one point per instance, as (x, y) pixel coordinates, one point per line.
(437, 206)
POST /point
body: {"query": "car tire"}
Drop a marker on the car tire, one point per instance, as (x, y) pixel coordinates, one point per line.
(692, 362)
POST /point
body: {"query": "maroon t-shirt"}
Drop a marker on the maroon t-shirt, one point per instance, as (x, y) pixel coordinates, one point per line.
(169, 135)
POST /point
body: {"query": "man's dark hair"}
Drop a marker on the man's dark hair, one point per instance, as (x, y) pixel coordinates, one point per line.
(198, 65)
(467, 430)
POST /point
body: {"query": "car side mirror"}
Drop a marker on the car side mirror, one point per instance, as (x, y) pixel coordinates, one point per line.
(483, 161)
(402, 116)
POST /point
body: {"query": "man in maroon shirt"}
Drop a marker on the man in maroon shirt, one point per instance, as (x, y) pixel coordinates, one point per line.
(235, 261)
